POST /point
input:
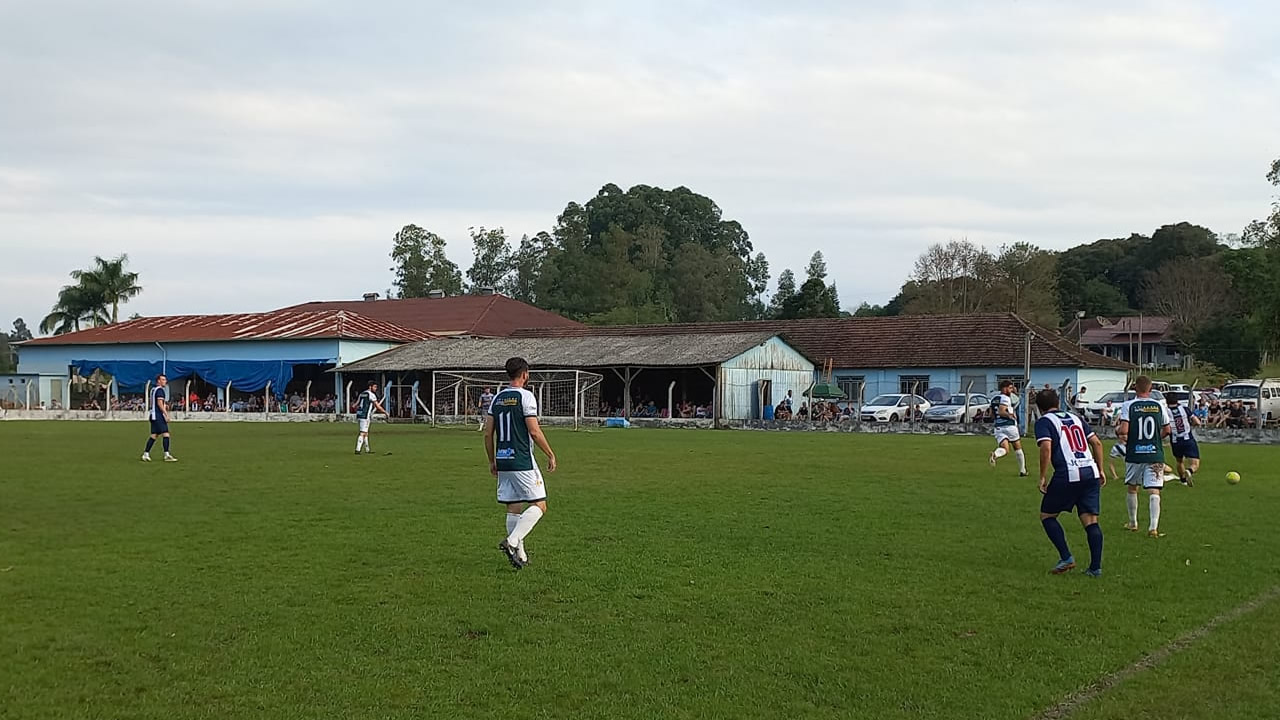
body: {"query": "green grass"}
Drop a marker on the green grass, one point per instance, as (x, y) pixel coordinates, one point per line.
(681, 574)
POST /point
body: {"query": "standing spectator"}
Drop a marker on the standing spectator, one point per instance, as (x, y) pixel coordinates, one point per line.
(1079, 402)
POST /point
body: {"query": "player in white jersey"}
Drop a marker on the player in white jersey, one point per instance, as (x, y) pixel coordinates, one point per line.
(486, 401)
(1006, 427)
(511, 431)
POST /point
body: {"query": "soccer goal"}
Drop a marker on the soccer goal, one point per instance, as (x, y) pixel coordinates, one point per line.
(563, 395)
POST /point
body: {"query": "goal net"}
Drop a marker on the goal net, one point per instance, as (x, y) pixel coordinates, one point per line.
(563, 395)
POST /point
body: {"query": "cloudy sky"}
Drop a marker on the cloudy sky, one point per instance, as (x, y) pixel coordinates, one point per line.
(250, 154)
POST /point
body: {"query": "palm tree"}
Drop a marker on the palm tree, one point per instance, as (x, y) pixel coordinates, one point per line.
(109, 280)
(76, 304)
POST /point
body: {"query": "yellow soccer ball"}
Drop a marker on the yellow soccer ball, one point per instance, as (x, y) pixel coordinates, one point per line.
(1233, 477)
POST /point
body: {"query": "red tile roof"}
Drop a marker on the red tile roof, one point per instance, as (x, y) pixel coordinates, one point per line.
(474, 315)
(1123, 330)
(278, 325)
(906, 341)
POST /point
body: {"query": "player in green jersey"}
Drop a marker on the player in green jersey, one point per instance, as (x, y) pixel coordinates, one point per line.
(1144, 424)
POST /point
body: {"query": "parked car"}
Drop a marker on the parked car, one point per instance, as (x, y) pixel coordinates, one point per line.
(1094, 409)
(1251, 392)
(893, 408)
(953, 410)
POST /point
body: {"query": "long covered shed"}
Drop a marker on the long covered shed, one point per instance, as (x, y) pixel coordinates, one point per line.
(735, 373)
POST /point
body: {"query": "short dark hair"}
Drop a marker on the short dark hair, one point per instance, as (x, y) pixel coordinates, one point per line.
(1006, 383)
(373, 383)
(1171, 400)
(516, 367)
(1047, 400)
(162, 375)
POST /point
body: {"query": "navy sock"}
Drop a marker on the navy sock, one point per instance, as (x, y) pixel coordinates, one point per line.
(150, 444)
(1094, 533)
(166, 445)
(1053, 529)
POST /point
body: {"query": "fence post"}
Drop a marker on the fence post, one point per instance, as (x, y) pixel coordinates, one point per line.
(346, 399)
(306, 402)
(266, 400)
(914, 386)
(577, 397)
(226, 399)
(965, 420)
(433, 398)
(28, 394)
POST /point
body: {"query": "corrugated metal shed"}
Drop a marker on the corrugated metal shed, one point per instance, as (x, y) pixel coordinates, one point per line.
(575, 352)
(278, 325)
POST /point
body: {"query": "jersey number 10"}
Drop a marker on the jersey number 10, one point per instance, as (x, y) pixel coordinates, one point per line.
(1075, 438)
(1146, 428)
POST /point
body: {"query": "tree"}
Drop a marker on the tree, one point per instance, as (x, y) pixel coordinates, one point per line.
(955, 278)
(20, 332)
(492, 266)
(1192, 292)
(1232, 344)
(1026, 282)
(758, 277)
(631, 250)
(816, 299)
(786, 290)
(529, 260)
(421, 264)
(76, 305)
(110, 281)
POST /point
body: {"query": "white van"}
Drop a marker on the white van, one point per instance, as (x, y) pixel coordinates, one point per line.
(1253, 392)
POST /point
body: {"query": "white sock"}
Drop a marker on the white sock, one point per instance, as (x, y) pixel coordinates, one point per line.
(524, 525)
(1131, 499)
(1022, 460)
(512, 520)
(1155, 512)
(1000, 452)
(359, 442)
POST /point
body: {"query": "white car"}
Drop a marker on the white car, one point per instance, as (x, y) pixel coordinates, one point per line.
(953, 410)
(1094, 409)
(893, 408)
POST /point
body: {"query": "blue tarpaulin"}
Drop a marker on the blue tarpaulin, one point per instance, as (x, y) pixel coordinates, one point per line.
(244, 375)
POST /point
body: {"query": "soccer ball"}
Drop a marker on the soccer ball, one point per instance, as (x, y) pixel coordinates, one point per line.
(1233, 477)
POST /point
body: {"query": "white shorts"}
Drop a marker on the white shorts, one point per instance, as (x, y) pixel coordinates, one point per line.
(1147, 475)
(364, 425)
(517, 486)
(1008, 432)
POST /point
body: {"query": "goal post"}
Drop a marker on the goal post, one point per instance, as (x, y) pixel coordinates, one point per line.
(564, 396)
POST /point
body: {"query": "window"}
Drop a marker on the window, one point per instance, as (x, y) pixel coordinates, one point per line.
(852, 387)
(1019, 382)
(913, 383)
(972, 384)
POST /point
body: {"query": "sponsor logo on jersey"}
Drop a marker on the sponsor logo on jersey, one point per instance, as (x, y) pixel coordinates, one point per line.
(1144, 449)
(505, 454)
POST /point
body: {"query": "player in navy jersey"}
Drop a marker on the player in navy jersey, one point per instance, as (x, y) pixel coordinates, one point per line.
(1005, 426)
(159, 416)
(1073, 453)
(365, 405)
(1183, 440)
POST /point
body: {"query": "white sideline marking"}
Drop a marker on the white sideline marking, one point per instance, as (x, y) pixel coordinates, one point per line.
(1091, 692)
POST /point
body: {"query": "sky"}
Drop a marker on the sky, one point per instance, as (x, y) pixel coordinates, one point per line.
(253, 154)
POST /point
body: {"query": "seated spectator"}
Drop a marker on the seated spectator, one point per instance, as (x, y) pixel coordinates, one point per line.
(803, 414)
(1237, 417)
(700, 412)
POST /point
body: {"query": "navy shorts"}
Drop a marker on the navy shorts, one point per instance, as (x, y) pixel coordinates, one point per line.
(1187, 449)
(1085, 497)
(159, 426)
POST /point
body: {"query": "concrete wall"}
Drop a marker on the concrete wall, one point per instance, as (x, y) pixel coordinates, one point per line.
(774, 361)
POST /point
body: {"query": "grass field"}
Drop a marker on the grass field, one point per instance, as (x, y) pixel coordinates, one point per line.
(273, 574)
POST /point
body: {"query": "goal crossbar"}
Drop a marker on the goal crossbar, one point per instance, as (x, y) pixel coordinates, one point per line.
(563, 395)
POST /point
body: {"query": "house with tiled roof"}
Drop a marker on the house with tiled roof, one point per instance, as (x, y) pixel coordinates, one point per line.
(956, 353)
(1143, 339)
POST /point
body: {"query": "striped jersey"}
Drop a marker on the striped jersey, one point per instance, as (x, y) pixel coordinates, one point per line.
(997, 402)
(1072, 460)
(1180, 421)
(365, 408)
(158, 395)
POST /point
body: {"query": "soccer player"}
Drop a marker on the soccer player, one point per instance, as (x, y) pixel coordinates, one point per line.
(368, 402)
(486, 401)
(1185, 449)
(159, 420)
(510, 431)
(1006, 427)
(1144, 424)
(1074, 453)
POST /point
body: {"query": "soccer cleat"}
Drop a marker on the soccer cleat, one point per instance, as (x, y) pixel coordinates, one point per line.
(1064, 566)
(512, 554)
(1131, 527)
(146, 457)
(1093, 573)
(1155, 534)
(1189, 480)
(170, 458)
(1022, 474)
(357, 453)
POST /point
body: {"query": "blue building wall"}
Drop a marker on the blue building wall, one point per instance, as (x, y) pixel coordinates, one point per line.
(985, 380)
(52, 362)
